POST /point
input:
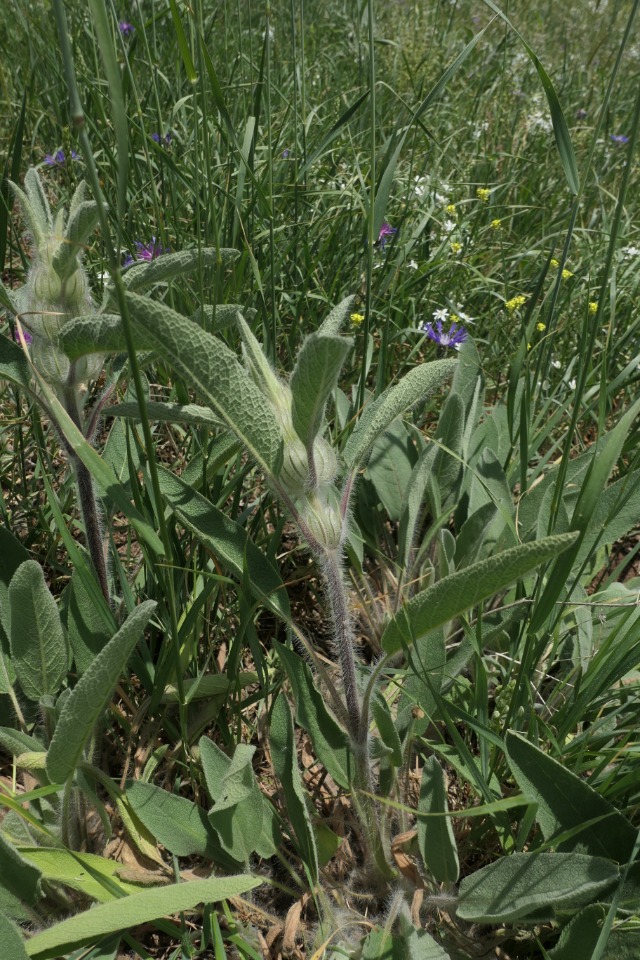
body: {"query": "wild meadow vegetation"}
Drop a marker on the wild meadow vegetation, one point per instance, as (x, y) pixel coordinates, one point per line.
(320, 465)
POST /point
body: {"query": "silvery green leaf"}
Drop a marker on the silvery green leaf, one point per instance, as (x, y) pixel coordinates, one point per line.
(14, 366)
(257, 364)
(227, 540)
(314, 378)
(170, 265)
(15, 742)
(7, 299)
(17, 875)
(455, 594)
(166, 412)
(329, 740)
(12, 941)
(285, 762)
(212, 369)
(177, 823)
(77, 198)
(132, 911)
(564, 801)
(37, 225)
(518, 885)
(414, 386)
(37, 196)
(242, 816)
(39, 651)
(435, 833)
(332, 324)
(98, 333)
(90, 696)
(222, 315)
(80, 224)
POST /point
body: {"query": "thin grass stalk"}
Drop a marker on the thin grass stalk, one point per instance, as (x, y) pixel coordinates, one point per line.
(78, 122)
(371, 237)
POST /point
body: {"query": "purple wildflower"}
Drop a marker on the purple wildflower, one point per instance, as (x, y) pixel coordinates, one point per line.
(126, 29)
(146, 251)
(59, 159)
(158, 138)
(25, 333)
(386, 233)
(581, 114)
(285, 154)
(619, 138)
(453, 337)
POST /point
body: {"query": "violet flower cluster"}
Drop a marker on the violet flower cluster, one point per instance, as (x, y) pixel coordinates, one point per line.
(145, 251)
(453, 337)
(59, 158)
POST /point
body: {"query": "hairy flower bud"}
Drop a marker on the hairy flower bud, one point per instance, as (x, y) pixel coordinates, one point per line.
(52, 364)
(325, 461)
(321, 512)
(294, 473)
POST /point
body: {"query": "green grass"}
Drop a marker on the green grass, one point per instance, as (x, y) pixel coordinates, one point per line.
(282, 148)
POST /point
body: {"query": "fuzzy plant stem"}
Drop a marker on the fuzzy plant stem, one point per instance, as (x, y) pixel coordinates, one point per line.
(87, 500)
(344, 641)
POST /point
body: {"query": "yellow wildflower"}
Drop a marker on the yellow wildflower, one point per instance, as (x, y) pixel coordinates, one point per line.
(515, 303)
(593, 306)
(356, 319)
(496, 224)
(541, 327)
(451, 209)
(482, 193)
(528, 347)
(455, 246)
(566, 274)
(554, 263)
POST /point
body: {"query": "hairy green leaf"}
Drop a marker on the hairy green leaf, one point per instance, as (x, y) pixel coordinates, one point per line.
(416, 385)
(212, 369)
(13, 945)
(435, 834)
(84, 706)
(81, 222)
(39, 651)
(333, 323)
(14, 366)
(564, 801)
(137, 909)
(523, 883)
(464, 589)
(328, 738)
(171, 265)
(313, 380)
(285, 762)
(242, 816)
(99, 333)
(227, 540)
(177, 823)
(17, 874)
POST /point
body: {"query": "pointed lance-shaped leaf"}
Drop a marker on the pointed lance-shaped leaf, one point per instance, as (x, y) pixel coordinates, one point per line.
(79, 227)
(416, 385)
(37, 197)
(208, 365)
(460, 591)
(257, 364)
(98, 333)
(332, 324)
(313, 380)
(84, 705)
(170, 265)
(39, 651)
